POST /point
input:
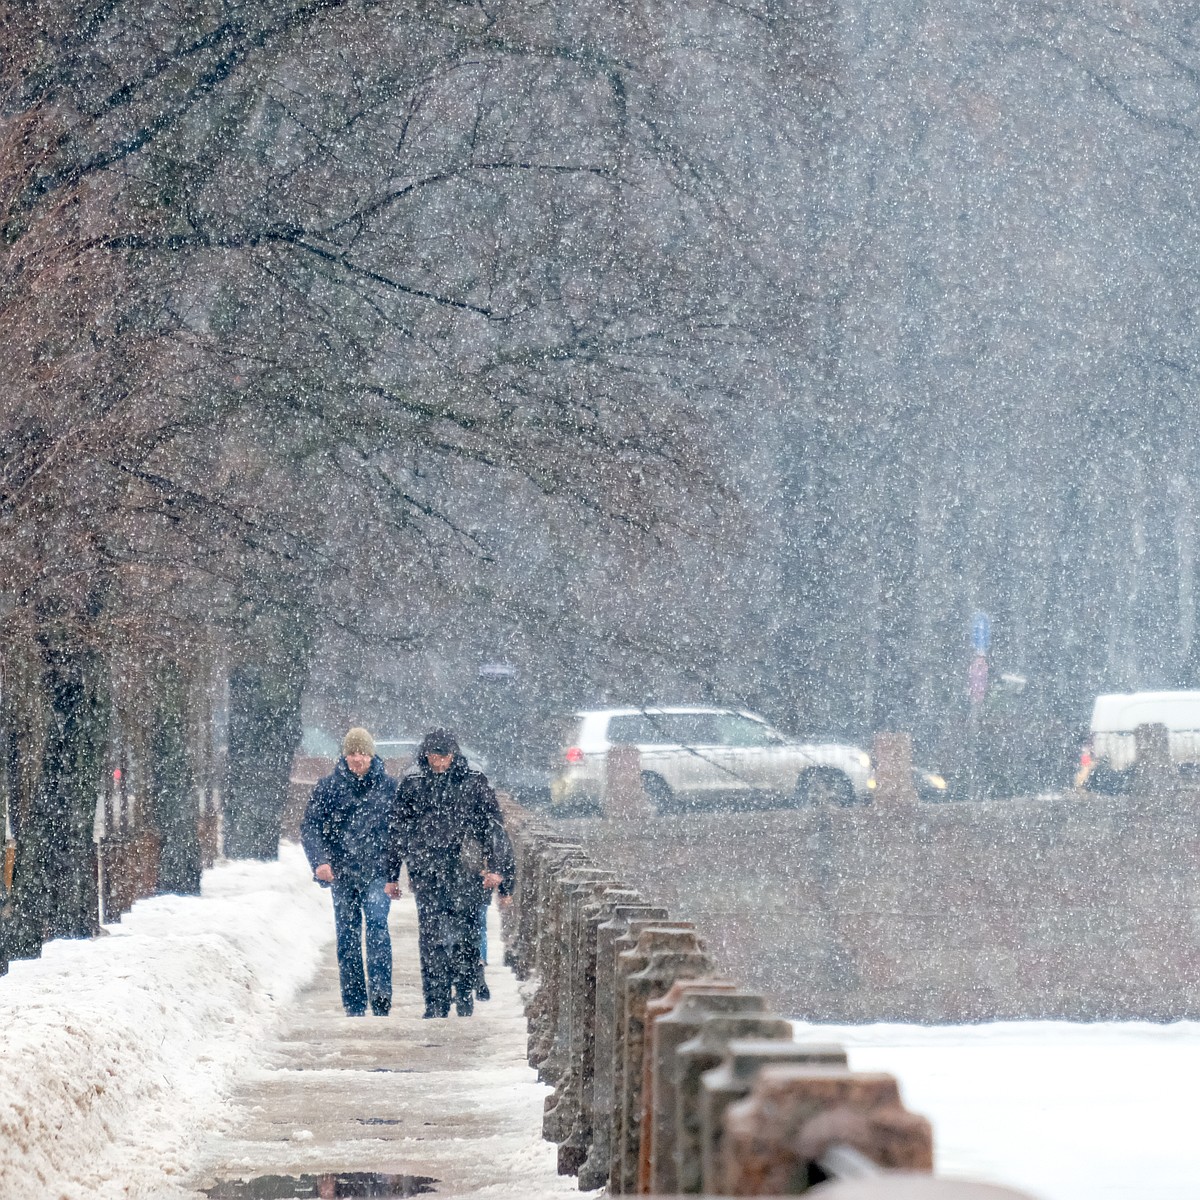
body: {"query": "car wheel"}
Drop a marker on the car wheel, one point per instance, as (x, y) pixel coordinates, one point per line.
(825, 787)
(658, 792)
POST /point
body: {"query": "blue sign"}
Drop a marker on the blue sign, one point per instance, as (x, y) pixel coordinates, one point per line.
(981, 632)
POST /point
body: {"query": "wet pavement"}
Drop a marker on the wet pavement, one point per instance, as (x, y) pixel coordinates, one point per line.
(341, 1106)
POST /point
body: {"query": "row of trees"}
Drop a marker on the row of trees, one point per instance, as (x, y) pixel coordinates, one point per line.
(731, 351)
(283, 287)
(964, 379)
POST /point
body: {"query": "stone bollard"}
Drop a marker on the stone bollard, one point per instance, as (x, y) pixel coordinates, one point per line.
(672, 954)
(1155, 775)
(732, 1080)
(699, 1000)
(794, 1114)
(891, 755)
(692, 1059)
(520, 946)
(579, 885)
(624, 796)
(611, 936)
(656, 1009)
(552, 1067)
(902, 1186)
(577, 1088)
(632, 955)
(556, 859)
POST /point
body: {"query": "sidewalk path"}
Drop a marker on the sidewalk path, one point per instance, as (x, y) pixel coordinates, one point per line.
(452, 1101)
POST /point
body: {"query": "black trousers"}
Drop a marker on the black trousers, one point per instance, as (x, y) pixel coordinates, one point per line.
(448, 937)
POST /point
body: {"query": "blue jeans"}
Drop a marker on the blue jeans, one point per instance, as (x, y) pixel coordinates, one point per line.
(356, 903)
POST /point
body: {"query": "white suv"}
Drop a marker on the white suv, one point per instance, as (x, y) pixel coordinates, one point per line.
(697, 756)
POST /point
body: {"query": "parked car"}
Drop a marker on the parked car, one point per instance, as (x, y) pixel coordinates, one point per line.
(696, 756)
(1107, 759)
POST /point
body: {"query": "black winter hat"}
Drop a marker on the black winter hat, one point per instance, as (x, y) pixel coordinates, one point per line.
(439, 741)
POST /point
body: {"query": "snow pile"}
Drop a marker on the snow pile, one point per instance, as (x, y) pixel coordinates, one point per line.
(117, 1052)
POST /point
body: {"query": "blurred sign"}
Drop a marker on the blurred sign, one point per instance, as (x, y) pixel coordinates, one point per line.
(498, 670)
(977, 679)
(981, 632)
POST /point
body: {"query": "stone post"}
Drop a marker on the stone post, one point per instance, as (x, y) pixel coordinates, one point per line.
(700, 1000)
(581, 884)
(556, 858)
(610, 934)
(553, 1066)
(891, 757)
(732, 1080)
(794, 1114)
(672, 954)
(1155, 776)
(574, 1147)
(692, 1059)
(624, 796)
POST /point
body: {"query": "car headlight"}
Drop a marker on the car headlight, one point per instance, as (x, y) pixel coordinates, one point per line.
(864, 759)
(935, 781)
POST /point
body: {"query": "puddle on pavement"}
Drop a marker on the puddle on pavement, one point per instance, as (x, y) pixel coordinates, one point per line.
(322, 1187)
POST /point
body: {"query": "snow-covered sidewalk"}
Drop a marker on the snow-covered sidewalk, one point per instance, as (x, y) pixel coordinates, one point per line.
(202, 1041)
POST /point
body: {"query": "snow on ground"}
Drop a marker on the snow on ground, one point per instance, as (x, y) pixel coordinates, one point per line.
(1058, 1110)
(118, 1052)
(119, 1055)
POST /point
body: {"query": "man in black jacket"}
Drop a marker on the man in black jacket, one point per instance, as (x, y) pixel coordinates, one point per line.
(447, 829)
(344, 833)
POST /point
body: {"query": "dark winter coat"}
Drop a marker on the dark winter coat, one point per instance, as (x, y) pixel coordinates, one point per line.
(447, 829)
(346, 821)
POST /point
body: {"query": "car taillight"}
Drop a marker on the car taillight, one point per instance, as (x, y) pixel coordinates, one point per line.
(574, 755)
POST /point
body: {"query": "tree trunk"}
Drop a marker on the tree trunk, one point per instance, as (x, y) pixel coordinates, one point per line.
(264, 731)
(54, 878)
(173, 793)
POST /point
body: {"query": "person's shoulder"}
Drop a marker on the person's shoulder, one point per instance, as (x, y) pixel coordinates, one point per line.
(476, 780)
(325, 784)
(409, 783)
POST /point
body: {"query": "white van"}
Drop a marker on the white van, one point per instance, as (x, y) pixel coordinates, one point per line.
(1117, 715)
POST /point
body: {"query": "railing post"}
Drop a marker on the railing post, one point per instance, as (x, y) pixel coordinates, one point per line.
(609, 936)
(732, 1080)
(690, 1003)
(624, 796)
(892, 759)
(575, 1128)
(677, 956)
(795, 1114)
(577, 884)
(695, 1056)
(553, 1066)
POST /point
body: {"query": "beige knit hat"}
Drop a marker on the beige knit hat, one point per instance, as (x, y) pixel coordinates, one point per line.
(358, 741)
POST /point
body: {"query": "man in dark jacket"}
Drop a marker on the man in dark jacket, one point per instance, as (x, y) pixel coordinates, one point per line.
(344, 833)
(447, 829)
